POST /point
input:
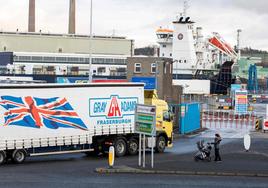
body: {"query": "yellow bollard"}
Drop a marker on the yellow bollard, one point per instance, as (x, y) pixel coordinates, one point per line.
(257, 124)
(111, 157)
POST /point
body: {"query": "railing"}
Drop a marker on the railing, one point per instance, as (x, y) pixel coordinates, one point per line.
(220, 119)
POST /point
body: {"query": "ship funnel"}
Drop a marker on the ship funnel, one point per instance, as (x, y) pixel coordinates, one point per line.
(72, 17)
(31, 18)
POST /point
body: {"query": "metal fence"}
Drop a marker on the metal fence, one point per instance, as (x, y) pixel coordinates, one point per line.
(217, 119)
(208, 102)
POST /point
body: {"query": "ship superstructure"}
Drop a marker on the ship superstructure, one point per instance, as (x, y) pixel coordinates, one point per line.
(192, 53)
(196, 57)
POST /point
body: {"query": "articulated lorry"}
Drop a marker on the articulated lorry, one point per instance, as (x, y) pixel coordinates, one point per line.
(48, 119)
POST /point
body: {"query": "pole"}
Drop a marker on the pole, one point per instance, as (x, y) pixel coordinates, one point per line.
(238, 43)
(139, 149)
(152, 154)
(90, 45)
(143, 151)
(156, 73)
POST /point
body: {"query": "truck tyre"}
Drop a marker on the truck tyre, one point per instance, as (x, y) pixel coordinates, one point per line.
(18, 156)
(3, 157)
(133, 146)
(120, 146)
(160, 144)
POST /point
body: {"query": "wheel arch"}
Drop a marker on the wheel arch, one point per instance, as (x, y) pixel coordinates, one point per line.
(162, 133)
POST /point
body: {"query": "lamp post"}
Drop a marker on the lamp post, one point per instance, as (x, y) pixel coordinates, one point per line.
(156, 75)
(90, 45)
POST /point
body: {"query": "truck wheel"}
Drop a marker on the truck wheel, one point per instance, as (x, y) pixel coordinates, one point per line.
(133, 146)
(120, 146)
(3, 157)
(18, 156)
(160, 144)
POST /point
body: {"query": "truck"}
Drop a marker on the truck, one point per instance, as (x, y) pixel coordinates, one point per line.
(47, 119)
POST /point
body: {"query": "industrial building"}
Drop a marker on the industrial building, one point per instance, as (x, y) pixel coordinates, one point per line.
(50, 55)
(156, 73)
(33, 41)
(64, 43)
(61, 64)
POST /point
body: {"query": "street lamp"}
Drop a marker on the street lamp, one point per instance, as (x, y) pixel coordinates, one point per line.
(156, 75)
(90, 45)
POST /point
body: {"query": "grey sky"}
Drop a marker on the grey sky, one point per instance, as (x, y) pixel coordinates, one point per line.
(139, 19)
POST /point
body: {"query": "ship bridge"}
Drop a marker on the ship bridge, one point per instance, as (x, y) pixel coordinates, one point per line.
(164, 36)
(165, 40)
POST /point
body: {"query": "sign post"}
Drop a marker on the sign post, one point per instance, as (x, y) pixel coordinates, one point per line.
(241, 102)
(145, 121)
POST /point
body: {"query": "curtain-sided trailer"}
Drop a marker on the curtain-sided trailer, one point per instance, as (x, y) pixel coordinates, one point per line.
(56, 119)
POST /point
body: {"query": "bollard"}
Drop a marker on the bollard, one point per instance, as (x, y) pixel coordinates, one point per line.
(233, 120)
(253, 120)
(205, 119)
(111, 157)
(241, 121)
(214, 119)
(248, 120)
(257, 124)
(228, 120)
(220, 117)
(244, 121)
(236, 121)
(247, 142)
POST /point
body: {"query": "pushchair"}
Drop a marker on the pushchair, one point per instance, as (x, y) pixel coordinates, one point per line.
(204, 150)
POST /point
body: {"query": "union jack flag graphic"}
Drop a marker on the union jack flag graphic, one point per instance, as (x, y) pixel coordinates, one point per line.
(35, 112)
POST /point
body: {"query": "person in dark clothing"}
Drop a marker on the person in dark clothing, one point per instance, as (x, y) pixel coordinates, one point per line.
(217, 141)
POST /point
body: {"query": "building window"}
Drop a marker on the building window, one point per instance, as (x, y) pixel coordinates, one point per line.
(180, 61)
(137, 68)
(36, 58)
(185, 61)
(49, 59)
(153, 68)
(61, 59)
(109, 61)
(164, 46)
(101, 70)
(170, 54)
(97, 60)
(163, 55)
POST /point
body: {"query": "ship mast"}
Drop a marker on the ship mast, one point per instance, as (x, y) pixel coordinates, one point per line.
(185, 7)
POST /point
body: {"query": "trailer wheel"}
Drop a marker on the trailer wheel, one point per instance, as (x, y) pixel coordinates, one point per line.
(120, 146)
(160, 144)
(18, 156)
(3, 157)
(133, 146)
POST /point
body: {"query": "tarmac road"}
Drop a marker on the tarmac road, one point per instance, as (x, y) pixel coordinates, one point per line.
(131, 181)
(77, 170)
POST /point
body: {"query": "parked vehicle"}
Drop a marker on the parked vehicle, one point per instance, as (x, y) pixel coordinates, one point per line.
(204, 151)
(56, 119)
